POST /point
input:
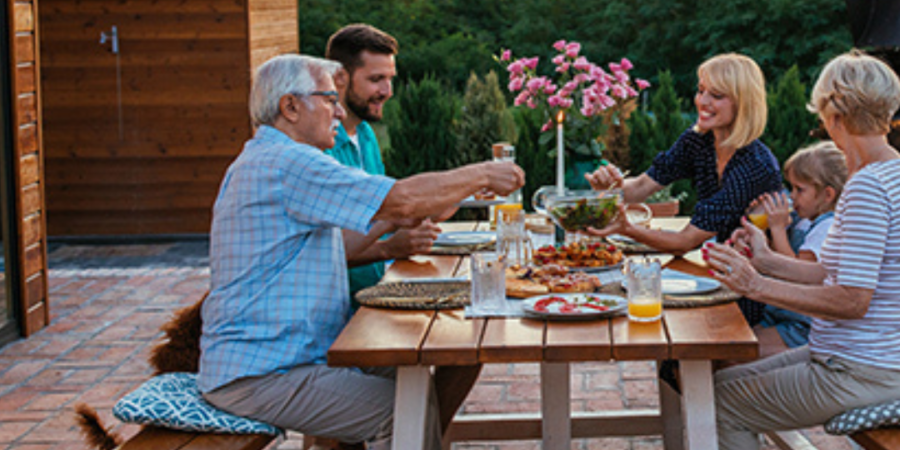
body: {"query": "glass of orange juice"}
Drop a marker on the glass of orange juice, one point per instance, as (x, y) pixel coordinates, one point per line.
(644, 284)
(758, 216)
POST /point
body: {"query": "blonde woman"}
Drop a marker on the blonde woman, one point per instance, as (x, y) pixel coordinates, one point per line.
(721, 154)
(852, 292)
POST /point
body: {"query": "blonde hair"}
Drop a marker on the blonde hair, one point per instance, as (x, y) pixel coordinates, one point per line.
(741, 79)
(821, 165)
(862, 89)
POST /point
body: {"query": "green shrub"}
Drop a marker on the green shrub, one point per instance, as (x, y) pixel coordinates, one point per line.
(421, 125)
(484, 120)
(538, 163)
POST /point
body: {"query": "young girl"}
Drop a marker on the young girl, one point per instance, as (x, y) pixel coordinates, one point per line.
(817, 175)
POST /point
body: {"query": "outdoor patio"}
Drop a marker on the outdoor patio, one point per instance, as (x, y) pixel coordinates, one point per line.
(108, 302)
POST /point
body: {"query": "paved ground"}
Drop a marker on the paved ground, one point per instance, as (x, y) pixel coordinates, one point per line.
(108, 301)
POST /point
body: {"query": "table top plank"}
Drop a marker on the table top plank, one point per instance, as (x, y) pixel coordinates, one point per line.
(381, 337)
(512, 340)
(453, 339)
(638, 341)
(712, 332)
(578, 341)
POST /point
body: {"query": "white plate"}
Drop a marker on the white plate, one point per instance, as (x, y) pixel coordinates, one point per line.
(680, 283)
(455, 238)
(617, 304)
(470, 202)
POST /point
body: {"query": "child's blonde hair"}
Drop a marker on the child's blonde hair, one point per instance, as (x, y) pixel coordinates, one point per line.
(821, 165)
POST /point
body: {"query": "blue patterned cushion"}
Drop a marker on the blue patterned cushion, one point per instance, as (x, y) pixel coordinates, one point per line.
(870, 417)
(172, 400)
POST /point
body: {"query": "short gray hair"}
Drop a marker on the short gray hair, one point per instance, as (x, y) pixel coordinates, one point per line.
(283, 75)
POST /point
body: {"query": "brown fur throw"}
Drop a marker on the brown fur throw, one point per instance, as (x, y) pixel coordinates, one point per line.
(180, 349)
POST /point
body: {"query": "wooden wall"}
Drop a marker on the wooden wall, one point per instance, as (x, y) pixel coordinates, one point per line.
(139, 145)
(28, 210)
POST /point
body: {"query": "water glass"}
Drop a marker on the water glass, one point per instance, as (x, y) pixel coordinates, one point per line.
(503, 151)
(488, 274)
(644, 278)
(512, 239)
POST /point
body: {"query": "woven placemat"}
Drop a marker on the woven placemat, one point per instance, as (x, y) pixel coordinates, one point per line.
(403, 295)
(716, 297)
(462, 250)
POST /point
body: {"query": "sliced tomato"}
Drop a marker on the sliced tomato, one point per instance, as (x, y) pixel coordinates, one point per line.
(542, 304)
(568, 308)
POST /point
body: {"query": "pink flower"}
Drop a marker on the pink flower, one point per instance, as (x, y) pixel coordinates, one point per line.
(547, 126)
(516, 83)
(559, 45)
(631, 91)
(535, 84)
(523, 97)
(516, 67)
(571, 86)
(607, 101)
(559, 59)
(549, 88)
(554, 101)
(506, 56)
(626, 64)
(642, 84)
(619, 91)
(572, 49)
(582, 63)
(563, 68)
(613, 67)
(581, 78)
(531, 63)
(587, 110)
(621, 76)
(566, 103)
(531, 104)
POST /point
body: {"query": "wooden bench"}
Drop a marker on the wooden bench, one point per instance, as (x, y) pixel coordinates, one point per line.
(151, 438)
(884, 439)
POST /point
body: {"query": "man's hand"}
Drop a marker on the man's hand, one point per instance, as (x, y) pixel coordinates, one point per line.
(504, 177)
(411, 241)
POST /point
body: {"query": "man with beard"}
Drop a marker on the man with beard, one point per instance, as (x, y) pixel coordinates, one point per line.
(364, 86)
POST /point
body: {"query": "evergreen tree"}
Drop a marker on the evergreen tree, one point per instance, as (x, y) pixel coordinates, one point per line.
(789, 122)
(484, 120)
(421, 127)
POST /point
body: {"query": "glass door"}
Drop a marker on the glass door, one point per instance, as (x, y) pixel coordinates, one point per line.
(9, 314)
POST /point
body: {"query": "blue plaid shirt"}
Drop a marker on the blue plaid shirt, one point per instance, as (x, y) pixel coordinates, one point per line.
(278, 295)
(751, 172)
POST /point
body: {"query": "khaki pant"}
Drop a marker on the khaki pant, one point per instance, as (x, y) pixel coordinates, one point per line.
(350, 405)
(793, 390)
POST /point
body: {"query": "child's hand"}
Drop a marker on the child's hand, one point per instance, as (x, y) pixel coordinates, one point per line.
(778, 208)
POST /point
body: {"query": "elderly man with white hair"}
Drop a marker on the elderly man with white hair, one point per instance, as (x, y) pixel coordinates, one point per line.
(279, 295)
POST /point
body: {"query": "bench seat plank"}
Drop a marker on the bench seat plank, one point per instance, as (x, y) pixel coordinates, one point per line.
(884, 439)
(153, 438)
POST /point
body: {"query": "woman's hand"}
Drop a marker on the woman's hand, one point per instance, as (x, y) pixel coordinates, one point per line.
(751, 242)
(619, 225)
(778, 208)
(605, 177)
(732, 269)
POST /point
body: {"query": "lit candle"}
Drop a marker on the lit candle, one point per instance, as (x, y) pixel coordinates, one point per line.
(560, 155)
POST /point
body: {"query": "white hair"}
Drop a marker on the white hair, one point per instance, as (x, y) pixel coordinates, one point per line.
(283, 75)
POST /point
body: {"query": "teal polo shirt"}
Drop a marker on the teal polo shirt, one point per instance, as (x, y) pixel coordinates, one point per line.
(368, 158)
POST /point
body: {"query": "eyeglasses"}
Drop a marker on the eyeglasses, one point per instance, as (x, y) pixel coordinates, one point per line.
(332, 95)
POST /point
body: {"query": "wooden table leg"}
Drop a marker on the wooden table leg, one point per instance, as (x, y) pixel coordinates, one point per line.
(699, 404)
(672, 420)
(411, 407)
(556, 424)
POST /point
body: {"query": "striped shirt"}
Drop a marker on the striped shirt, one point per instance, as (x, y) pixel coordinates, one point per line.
(863, 250)
(278, 296)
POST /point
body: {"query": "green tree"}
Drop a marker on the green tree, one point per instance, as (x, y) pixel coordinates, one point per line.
(485, 120)
(789, 122)
(538, 164)
(421, 124)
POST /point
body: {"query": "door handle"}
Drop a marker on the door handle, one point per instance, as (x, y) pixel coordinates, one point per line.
(113, 38)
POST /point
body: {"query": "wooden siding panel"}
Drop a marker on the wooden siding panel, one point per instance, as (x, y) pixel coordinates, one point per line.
(27, 109)
(28, 140)
(36, 318)
(31, 199)
(185, 80)
(31, 232)
(33, 262)
(24, 48)
(25, 79)
(34, 290)
(24, 17)
(29, 170)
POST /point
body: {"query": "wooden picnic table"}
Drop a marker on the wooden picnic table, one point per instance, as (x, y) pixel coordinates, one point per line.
(414, 341)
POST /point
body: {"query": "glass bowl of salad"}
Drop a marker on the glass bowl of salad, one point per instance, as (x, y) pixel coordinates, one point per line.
(576, 210)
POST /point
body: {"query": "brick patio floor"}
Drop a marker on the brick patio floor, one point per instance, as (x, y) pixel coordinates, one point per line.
(108, 302)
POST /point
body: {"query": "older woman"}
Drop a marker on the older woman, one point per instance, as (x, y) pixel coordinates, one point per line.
(721, 153)
(853, 293)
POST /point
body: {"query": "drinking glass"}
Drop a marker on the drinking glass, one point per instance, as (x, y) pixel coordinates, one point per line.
(644, 277)
(757, 214)
(513, 241)
(488, 274)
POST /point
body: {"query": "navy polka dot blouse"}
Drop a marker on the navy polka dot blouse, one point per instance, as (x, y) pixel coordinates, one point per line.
(751, 172)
